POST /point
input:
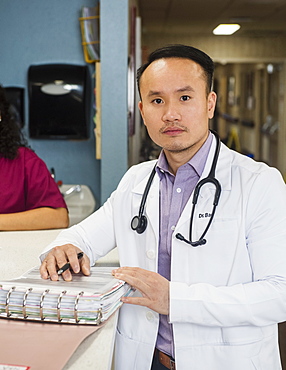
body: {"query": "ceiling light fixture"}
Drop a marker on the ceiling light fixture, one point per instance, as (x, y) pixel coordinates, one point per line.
(226, 29)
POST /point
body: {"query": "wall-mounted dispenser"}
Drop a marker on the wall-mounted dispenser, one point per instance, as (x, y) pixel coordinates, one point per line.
(59, 101)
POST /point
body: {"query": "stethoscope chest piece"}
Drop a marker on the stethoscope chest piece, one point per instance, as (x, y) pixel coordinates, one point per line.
(139, 224)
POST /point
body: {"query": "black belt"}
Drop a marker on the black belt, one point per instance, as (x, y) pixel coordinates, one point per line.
(165, 360)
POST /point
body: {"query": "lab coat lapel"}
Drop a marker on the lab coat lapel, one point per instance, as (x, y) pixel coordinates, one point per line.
(206, 195)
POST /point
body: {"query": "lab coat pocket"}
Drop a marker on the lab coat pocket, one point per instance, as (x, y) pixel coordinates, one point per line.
(242, 335)
(132, 354)
(246, 342)
(222, 231)
(123, 358)
(225, 251)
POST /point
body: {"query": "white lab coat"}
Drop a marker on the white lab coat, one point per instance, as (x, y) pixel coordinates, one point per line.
(227, 296)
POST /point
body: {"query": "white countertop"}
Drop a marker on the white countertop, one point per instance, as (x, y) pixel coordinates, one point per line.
(19, 251)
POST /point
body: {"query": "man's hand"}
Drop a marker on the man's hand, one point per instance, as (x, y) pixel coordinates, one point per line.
(154, 288)
(58, 257)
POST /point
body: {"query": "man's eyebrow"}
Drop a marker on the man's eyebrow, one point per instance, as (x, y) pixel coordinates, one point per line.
(154, 93)
(180, 90)
(186, 88)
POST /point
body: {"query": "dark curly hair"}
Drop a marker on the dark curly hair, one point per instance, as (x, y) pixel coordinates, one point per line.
(11, 136)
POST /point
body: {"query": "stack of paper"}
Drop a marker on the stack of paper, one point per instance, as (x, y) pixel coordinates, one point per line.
(85, 300)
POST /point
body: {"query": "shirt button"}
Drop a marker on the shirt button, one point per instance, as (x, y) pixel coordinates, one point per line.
(173, 227)
(178, 190)
(150, 254)
(150, 316)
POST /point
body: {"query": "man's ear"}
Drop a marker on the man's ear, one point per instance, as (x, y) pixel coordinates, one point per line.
(211, 104)
(140, 106)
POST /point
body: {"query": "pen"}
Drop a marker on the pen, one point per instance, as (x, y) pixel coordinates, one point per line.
(67, 265)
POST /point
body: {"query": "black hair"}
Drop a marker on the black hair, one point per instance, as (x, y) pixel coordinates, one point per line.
(181, 51)
(11, 136)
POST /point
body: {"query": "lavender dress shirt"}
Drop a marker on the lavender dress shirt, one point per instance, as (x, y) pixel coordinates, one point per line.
(175, 191)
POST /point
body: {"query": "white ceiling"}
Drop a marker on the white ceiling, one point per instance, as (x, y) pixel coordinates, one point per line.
(256, 17)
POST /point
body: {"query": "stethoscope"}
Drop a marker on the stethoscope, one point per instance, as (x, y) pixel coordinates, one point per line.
(139, 223)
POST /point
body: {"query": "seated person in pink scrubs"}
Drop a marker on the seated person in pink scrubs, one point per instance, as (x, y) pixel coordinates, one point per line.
(29, 197)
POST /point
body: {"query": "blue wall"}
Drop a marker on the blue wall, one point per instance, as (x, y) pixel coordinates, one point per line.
(39, 32)
(114, 109)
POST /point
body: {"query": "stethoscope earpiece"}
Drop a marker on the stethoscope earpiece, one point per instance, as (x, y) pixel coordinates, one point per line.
(139, 224)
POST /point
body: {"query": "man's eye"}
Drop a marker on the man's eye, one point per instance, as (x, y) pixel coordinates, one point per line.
(157, 101)
(185, 97)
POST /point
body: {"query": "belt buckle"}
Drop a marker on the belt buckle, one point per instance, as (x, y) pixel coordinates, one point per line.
(172, 365)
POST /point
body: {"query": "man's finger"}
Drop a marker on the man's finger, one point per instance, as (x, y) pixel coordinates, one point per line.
(59, 257)
(85, 265)
(43, 270)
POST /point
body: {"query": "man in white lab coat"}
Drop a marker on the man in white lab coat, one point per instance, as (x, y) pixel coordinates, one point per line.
(208, 297)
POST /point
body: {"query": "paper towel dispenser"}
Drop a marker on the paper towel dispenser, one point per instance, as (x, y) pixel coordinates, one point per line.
(59, 101)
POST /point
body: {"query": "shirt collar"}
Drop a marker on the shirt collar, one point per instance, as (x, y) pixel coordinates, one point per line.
(198, 161)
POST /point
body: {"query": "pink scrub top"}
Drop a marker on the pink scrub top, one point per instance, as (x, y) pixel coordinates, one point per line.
(26, 183)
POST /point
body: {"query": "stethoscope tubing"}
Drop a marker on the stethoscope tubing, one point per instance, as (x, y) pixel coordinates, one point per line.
(139, 223)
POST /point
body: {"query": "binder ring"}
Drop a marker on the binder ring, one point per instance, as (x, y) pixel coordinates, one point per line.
(99, 317)
(8, 301)
(25, 302)
(59, 305)
(76, 306)
(42, 304)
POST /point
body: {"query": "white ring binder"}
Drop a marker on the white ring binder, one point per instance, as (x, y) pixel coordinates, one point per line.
(42, 304)
(25, 302)
(59, 305)
(76, 306)
(8, 301)
(87, 300)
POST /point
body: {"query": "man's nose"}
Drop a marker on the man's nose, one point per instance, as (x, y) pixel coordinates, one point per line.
(171, 113)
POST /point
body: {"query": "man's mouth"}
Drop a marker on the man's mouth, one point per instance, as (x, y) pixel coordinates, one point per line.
(172, 131)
